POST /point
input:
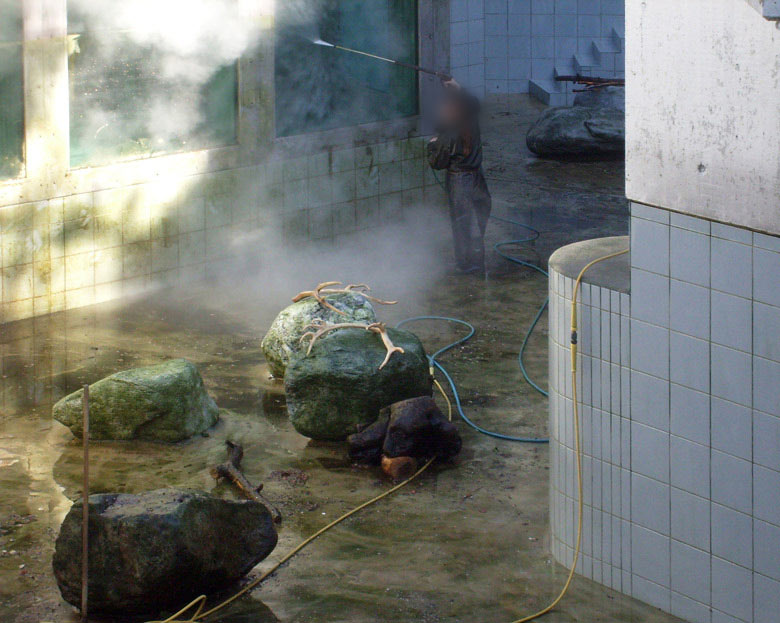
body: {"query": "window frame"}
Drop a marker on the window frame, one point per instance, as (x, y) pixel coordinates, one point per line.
(23, 167)
(46, 165)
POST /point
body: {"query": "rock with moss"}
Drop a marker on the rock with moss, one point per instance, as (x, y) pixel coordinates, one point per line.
(340, 388)
(282, 342)
(164, 402)
(158, 550)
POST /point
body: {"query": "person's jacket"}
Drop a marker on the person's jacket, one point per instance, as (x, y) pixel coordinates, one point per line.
(458, 147)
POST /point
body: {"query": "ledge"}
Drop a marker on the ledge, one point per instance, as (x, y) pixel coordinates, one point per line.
(770, 9)
(614, 274)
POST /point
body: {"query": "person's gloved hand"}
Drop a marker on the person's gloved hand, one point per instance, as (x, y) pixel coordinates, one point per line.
(451, 84)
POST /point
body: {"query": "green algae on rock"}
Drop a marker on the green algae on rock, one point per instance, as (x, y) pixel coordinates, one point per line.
(157, 550)
(163, 402)
(339, 387)
(282, 342)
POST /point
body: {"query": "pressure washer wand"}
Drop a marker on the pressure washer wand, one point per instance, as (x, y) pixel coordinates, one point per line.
(444, 77)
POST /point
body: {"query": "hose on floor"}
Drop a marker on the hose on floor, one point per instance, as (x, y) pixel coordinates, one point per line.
(500, 249)
(199, 603)
(577, 446)
(435, 364)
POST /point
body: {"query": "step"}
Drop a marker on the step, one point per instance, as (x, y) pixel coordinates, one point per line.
(548, 92)
(585, 64)
(619, 38)
(770, 9)
(605, 55)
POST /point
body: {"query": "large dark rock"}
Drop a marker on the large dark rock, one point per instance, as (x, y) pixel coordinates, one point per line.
(339, 387)
(164, 402)
(605, 97)
(158, 550)
(579, 132)
(283, 340)
(410, 428)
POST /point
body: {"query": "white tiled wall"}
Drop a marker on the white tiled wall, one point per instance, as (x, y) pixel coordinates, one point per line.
(603, 381)
(698, 422)
(467, 43)
(497, 46)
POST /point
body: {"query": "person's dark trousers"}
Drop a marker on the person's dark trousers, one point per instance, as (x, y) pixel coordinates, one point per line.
(470, 205)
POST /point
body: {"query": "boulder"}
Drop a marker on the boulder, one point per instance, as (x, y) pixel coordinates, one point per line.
(339, 387)
(411, 428)
(579, 132)
(282, 342)
(158, 550)
(164, 402)
(605, 97)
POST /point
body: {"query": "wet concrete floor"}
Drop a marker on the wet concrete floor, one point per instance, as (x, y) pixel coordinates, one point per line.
(467, 542)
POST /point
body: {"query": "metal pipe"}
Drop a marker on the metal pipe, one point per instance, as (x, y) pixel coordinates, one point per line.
(85, 506)
(439, 74)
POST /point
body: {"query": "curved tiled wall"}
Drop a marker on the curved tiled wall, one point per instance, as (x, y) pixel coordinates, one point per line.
(603, 386)
(679, 387)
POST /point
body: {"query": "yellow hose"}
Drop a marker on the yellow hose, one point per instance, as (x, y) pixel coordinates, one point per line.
(200, 601)
(578, 449)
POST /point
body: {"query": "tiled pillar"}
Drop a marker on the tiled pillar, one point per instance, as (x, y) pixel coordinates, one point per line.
(698, 424)
(605, 429)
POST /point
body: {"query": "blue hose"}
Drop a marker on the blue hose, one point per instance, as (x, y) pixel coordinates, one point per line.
(498, 246)
(434, 358)
(458, 406)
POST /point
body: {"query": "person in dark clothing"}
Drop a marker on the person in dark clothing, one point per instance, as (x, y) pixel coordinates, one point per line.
(457, 148)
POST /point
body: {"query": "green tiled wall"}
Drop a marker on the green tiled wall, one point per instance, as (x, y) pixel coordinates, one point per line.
(96, 246)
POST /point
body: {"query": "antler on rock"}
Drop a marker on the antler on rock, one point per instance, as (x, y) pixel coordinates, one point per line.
(363, 290)
(326, 288)
(317, 294)
(322, 328)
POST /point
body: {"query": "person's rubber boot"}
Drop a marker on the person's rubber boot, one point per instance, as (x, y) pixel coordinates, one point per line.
(477, 257)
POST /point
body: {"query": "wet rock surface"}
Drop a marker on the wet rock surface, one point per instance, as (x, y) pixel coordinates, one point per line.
(283, 340)
(164, 402)
(158, 550)
(410, 428)
(339, 387)
(579, 132)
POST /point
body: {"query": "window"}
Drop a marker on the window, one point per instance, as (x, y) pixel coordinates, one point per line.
(320, 88)
(11, 89)
(132, 98)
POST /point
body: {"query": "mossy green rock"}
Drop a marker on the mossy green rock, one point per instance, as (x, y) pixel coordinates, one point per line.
(339, 387)
(164, 402)
(282, 342)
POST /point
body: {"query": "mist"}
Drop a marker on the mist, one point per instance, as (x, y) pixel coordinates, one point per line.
(399, 259)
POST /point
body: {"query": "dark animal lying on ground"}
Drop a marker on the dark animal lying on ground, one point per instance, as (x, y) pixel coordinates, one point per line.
(411, 429)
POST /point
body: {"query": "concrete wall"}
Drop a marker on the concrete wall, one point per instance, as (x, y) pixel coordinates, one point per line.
(703, 122)
(74, 237)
